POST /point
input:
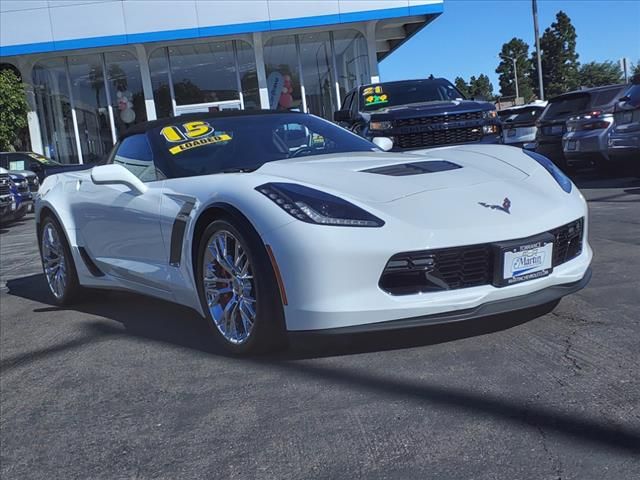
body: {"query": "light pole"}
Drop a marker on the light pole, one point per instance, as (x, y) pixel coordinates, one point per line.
(534, 7)
(515, 73)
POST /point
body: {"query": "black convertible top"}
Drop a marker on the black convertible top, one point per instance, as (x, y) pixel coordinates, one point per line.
(144, 127)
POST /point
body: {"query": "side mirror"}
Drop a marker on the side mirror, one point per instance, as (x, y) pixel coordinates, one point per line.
(117, 175)
(342, 116)
(385, 143)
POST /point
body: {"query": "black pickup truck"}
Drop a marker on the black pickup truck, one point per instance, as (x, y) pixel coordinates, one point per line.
(36, 163)
(418, 114)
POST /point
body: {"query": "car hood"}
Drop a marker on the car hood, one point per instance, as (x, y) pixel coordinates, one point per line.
(24, 173)
(430, 108)
(346, 175)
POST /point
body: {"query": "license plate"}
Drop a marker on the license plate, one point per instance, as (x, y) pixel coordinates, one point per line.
(571, 145)
(511, 132)
(627, 117)
(519, 261)
(557, 129)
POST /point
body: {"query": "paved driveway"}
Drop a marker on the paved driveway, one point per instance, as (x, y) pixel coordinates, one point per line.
(124, 386)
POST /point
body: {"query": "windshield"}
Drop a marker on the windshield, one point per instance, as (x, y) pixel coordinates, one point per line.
(524, 115)
(244, 143)
(23, 160)
(564, 107)
(403, 93)
(43, 160)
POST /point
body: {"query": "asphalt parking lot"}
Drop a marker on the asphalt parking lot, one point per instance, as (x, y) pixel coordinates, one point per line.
(123, 386)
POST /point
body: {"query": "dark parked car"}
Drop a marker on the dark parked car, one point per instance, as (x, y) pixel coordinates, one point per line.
(580, 104)
(39, 164)
(418, 114)
(624, 141)
(7, 201)
(22, 195)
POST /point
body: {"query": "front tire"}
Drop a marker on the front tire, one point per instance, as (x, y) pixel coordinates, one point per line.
(57, 263)
(238, 289)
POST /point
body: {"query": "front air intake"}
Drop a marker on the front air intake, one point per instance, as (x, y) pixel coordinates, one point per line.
(413, 168)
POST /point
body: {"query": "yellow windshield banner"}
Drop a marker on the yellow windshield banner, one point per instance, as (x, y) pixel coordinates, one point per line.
(223, 137)
(374, 96)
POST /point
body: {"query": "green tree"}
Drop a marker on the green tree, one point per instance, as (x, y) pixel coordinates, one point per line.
(13, 108)
(481, 87)
(461, 85)
(596, 74)
(559, 58)
(635, 73)
(518, 49)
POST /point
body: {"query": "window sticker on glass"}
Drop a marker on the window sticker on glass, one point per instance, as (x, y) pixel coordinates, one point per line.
(220, 138)
(317, 140)
(197, 133)
(374, 96)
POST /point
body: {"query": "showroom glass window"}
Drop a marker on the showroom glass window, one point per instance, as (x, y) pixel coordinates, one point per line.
(352, 60)
(283, 73)
(203, 73)
(159, 68)
(54, 110)
(90, 101)
(317, 71)
(125, 90)
(248, 75)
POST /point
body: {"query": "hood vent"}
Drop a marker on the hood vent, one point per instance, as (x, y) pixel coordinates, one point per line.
(414, 168)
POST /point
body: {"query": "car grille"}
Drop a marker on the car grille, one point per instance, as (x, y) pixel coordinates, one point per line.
(5, 189)
(439, 137)
(463, 267)
(568, 241)
(437, 119)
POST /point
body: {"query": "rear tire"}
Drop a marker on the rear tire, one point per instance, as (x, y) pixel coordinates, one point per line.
(238, 289)
(57, 263)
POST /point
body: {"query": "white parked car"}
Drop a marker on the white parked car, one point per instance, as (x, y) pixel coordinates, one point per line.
(519, 123)
(268, 222)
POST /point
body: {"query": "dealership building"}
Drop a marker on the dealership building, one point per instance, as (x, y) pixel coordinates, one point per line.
(93, 68)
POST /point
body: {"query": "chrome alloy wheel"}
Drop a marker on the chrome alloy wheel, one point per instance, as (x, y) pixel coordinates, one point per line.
(55, 265)
(229, 287)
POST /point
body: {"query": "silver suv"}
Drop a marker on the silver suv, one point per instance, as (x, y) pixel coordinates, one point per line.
(624, 141)
(587, 136)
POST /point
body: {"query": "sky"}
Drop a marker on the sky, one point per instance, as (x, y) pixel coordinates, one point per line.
(466, 39)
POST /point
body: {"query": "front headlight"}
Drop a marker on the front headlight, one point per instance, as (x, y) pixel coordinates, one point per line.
(313, 206)
(380, 125)
(490, 114)
(556, 173)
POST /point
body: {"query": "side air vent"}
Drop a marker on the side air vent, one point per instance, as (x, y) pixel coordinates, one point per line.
(414, 168)
(91, 266)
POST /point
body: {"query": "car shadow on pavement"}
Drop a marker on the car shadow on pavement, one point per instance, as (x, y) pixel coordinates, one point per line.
(6, 227)
(155, 320)
(171, 323)
(594, 180)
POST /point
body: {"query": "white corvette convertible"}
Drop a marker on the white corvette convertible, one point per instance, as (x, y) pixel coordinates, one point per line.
(270, 222)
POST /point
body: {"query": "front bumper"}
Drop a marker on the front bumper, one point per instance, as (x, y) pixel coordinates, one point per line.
(625, 145)
(331, 275)
(497, 307)
(585, 144)
(551, 149)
